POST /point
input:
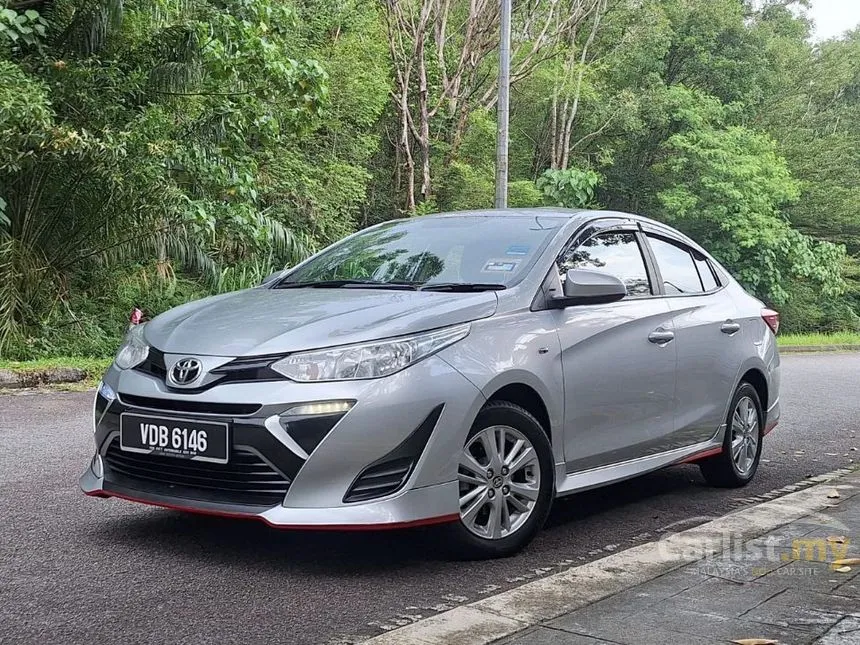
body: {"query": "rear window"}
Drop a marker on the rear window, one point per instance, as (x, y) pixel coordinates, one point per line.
(706, 273)
(677, 267)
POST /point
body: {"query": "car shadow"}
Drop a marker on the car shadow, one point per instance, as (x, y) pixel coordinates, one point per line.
(249, 543)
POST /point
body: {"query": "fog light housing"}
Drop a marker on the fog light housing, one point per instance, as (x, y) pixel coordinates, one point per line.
(318, 408)
(308, 423)
(106, 391)
(97, 466)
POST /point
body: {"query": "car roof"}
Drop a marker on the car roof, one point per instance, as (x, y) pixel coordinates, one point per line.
(557, 212)
(543, 211)
(573, 216)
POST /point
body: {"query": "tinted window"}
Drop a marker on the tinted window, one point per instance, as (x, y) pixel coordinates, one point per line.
(705, 272)
(469, 249)
(615, 253)
(676, 266)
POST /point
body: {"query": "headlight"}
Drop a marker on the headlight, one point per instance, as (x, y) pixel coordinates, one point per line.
(368, 360)
(134, 349)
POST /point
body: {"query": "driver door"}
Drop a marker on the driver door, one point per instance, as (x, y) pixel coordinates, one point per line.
(618, 359)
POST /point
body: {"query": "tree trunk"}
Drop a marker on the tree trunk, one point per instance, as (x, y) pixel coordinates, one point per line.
(424, 120)
(406, 147)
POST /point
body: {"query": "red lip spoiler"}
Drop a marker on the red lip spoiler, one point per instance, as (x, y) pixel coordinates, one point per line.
(427, 521)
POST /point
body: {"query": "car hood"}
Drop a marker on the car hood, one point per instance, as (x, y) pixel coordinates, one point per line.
(271, 321)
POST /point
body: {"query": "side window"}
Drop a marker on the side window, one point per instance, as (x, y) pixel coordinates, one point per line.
(706, 273)
(616, 253)
(677, 267)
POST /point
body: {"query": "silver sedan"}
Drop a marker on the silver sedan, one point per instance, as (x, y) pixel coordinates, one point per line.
(461, 369)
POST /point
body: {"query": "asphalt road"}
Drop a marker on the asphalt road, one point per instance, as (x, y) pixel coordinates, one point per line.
(80, 570)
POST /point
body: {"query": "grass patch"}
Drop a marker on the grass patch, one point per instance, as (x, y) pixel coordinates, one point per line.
(94, 367)
(836, 338)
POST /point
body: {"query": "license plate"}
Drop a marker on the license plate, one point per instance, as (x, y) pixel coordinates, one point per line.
(171, 437)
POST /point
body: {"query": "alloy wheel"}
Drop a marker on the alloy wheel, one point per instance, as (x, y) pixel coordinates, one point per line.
(745, 434)
(499, 476)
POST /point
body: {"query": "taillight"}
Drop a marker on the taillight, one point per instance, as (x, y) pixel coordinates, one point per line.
(771, 319)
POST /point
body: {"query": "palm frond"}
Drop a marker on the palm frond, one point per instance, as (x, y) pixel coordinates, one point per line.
(23, 280)
(287, 245)
(178, 47)
(90, 25)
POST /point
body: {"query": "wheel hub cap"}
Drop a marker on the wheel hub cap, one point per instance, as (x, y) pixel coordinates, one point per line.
(745, 435)
(496, 505)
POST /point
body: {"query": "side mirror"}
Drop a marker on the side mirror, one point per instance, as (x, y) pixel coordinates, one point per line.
(585, 287)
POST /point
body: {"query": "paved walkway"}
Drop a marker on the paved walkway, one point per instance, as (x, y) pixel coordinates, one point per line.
(782, 586)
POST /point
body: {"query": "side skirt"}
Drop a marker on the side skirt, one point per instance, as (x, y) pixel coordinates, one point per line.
(604, 475)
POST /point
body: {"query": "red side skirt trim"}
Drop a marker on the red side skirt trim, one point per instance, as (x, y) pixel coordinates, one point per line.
(710, 452)
(427, 521)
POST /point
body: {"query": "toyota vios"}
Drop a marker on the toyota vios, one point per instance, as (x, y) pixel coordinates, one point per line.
(459, 369)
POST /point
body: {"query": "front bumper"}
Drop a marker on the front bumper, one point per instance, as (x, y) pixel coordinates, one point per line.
(386, 414)
(417, 507)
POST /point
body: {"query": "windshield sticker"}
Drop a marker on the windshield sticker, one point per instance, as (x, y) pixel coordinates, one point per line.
(505, 266)
(517, 249)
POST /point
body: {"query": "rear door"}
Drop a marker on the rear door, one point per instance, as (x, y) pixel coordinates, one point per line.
(707, 336)
(618, 360)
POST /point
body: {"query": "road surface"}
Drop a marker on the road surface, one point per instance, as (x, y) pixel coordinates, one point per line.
(79, 570)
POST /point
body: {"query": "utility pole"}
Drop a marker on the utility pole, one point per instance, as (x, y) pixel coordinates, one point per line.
(502, 111)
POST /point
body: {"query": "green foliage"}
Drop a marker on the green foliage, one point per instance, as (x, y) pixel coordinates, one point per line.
(25, 116)
(524, 194)
(807, 310)
(201, 135)
(819, 339)
(151, 152)
(24, 28)
(468, 182)
(244, 274)
(464, 187)
(93, 321)
(478, 148)
(818, 127)
(34, 371)
(571, 188)
(726, 188)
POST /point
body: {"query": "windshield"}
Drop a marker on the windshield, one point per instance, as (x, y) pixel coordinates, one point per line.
(493, 251)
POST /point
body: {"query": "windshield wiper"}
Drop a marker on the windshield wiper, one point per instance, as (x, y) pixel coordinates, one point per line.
(337, 284)
(464, 287)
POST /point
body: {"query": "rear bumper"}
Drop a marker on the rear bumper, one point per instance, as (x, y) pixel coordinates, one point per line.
(772, 417)
(414, 507)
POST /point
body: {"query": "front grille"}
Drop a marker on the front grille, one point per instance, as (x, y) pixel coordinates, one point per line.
(380, 480)
(200, 407)
(154, 364)
(246, 479)
(249, 368)
(239, 370)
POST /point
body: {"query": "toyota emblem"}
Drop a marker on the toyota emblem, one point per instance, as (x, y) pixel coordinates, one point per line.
(185, 371)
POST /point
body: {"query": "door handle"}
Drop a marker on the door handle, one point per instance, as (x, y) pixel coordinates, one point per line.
(661, 336)
(730, 327)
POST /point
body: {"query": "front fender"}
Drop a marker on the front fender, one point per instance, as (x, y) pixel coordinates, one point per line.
(500, 352)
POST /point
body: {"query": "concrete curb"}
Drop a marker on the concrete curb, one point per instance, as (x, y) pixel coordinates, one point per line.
(509, 612)
(806, 349)
(36, 377)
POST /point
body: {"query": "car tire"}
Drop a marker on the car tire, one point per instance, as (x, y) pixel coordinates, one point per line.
(463, 543)
(731, 468)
